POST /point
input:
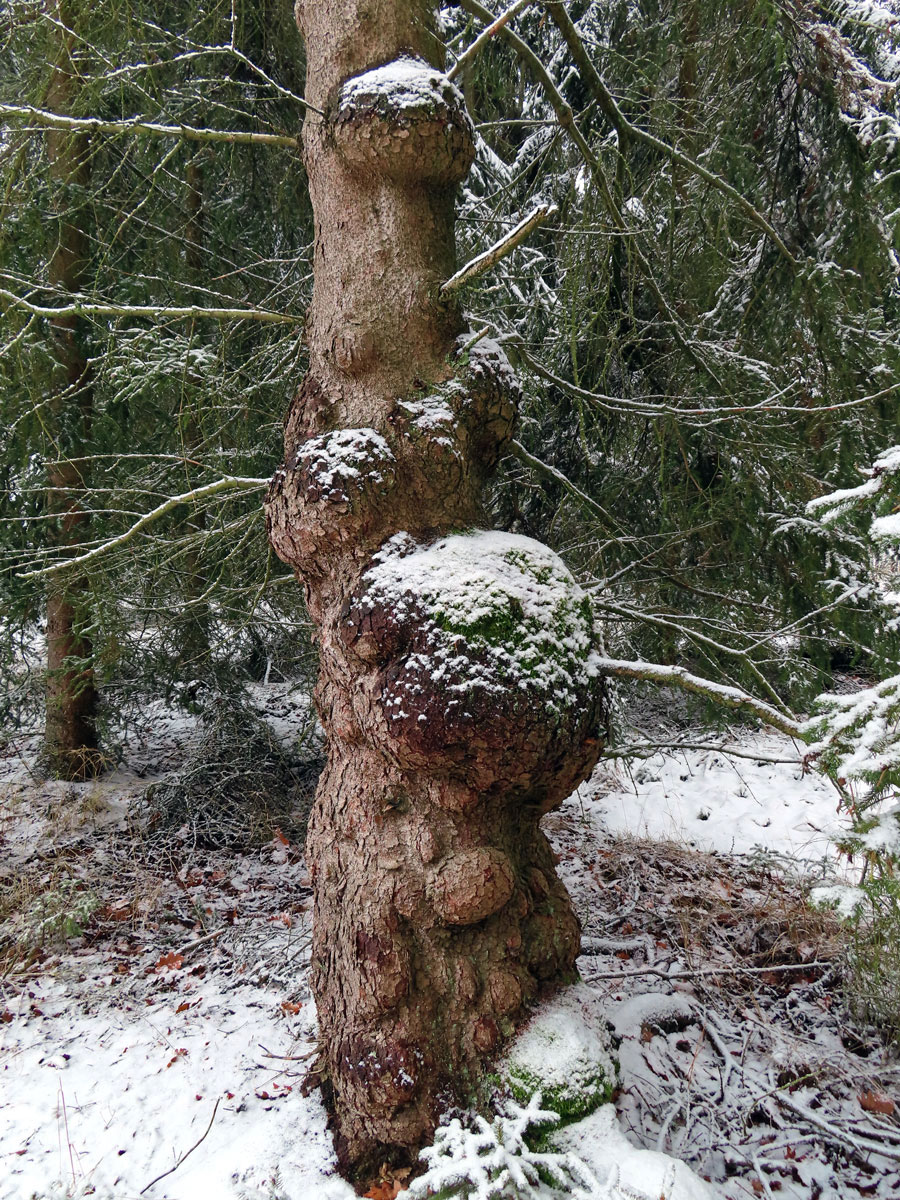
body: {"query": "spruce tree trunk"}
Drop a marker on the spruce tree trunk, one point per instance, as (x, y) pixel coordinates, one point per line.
(455, 680)
(194, 649)
(70, 739)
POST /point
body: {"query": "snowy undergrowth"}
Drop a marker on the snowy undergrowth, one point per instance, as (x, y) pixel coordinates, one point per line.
(737, 1056)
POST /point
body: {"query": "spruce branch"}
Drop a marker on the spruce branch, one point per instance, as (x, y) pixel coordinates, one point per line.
(551, 472)
(500, 249)
(566, 119)
(226, 484)
(719, 693)
(42, 119)
(695, 635)
(485, 36)
(80, 308)
(625, 129)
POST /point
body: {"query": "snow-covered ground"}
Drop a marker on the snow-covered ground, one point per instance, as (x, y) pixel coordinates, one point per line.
(162, 1052)
(723, 803)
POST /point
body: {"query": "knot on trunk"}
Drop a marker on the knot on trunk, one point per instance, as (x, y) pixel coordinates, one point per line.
(481, 652)
(328, 492)
(385, 969)
(387, 1072)
(450, 439)
(471, 885)
(404, 121)
(485, 396)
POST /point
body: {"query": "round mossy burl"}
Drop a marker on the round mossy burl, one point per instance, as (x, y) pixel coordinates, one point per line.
(499, 611)
(483, 643)
(565, 1054)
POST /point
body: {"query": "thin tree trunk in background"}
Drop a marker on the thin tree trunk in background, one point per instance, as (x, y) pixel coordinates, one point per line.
(438, 914)
(195, 643)
(70, 738)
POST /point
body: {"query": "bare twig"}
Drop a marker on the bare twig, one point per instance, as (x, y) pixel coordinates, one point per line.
(648, 749)
(195, 945)
(290, 1057)
(704, 972)
(171, 1170)
(860, 1145)
(551, 472)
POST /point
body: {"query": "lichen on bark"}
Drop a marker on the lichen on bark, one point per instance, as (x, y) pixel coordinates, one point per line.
(456, 686)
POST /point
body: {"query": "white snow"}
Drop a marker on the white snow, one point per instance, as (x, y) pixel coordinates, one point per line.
(113, 1062)
(714, 802)
(651, 1008)
(644, 1174)
(844, 899)
(405, 83)
(482, 577)
(886, 528)
(335, 458)
(565, 1046)
(100, 1089)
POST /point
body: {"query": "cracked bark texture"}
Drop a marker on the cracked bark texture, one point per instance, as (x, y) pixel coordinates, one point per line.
(438, 915)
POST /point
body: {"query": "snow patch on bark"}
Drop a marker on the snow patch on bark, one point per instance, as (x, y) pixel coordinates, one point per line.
(405, 83)
(507, 597)
(335, 458)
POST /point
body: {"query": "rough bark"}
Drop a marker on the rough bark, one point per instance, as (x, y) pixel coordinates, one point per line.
(70, 739)
(438, 914)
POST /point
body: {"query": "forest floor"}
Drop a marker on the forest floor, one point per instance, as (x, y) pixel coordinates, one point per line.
(156, 1023)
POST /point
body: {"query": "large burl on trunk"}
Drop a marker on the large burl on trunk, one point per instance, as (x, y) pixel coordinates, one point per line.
(456, 685)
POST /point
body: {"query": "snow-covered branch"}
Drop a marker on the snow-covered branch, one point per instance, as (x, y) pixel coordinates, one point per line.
(43, 119)
(84, 308)
(719, 693)
(500, 249)
(625, 129)
(228, 483)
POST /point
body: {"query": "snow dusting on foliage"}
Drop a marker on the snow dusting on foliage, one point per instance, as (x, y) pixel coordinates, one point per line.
(835, 504)
(511, 598)
(883, 20)
(483, 1161)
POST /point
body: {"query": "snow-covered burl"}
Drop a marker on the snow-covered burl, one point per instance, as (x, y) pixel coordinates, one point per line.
(405, 117)
(480, 641)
